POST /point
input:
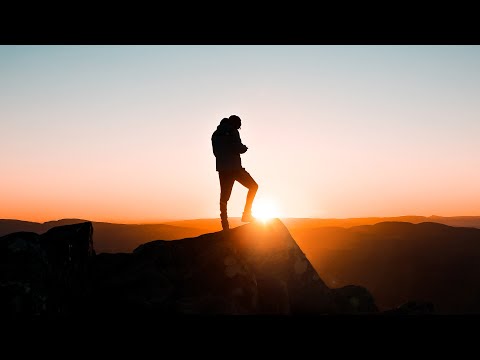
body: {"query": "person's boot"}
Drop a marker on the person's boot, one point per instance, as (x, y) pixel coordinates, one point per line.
(247, 216)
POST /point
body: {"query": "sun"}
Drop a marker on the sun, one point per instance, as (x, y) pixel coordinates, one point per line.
(264, 210)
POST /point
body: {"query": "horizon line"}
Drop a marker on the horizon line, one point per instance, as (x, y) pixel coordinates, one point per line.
(153, 222)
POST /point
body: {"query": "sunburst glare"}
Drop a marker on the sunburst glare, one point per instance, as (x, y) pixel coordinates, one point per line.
(264, 209)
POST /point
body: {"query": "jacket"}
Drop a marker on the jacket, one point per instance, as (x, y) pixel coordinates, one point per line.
(227, 147)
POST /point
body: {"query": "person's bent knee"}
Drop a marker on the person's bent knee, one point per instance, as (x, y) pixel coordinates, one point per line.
(254, 187)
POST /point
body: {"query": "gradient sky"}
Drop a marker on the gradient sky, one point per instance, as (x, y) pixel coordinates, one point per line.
(122, 133)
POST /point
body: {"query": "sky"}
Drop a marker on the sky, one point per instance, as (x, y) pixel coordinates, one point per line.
(123, 133)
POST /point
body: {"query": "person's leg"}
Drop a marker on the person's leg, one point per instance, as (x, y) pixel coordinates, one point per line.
(226, 184)
(244, 178)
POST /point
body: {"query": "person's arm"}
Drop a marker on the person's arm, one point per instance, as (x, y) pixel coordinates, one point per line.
(239, 148)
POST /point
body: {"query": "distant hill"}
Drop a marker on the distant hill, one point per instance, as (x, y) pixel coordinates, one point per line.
(110, 238)
(209, 225)
(305, 223)
(398, 261)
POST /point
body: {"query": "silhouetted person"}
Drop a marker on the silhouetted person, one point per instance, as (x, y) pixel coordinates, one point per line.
(227, 147)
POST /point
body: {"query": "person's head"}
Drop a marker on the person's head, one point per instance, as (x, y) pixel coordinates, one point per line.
(235, 121)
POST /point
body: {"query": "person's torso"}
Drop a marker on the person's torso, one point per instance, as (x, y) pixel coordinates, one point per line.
(224, 142)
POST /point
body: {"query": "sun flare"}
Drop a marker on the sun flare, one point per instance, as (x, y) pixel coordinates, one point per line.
(264, 210)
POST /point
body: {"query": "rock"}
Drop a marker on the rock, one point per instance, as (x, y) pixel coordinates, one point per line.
(45, 273)
(252, 269)
(200, 275)
(353, 299)
(412, 308)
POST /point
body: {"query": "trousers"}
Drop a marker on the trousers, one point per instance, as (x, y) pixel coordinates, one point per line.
(227, 179)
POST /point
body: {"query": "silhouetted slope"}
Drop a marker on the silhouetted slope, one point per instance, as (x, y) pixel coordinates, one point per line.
(256, 269)
(459, 221)
(399, 261)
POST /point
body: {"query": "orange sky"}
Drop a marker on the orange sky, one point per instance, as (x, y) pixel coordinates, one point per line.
(122, 133)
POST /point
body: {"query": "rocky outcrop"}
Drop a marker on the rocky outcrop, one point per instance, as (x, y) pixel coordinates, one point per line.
(252, 269)
(45, 274)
